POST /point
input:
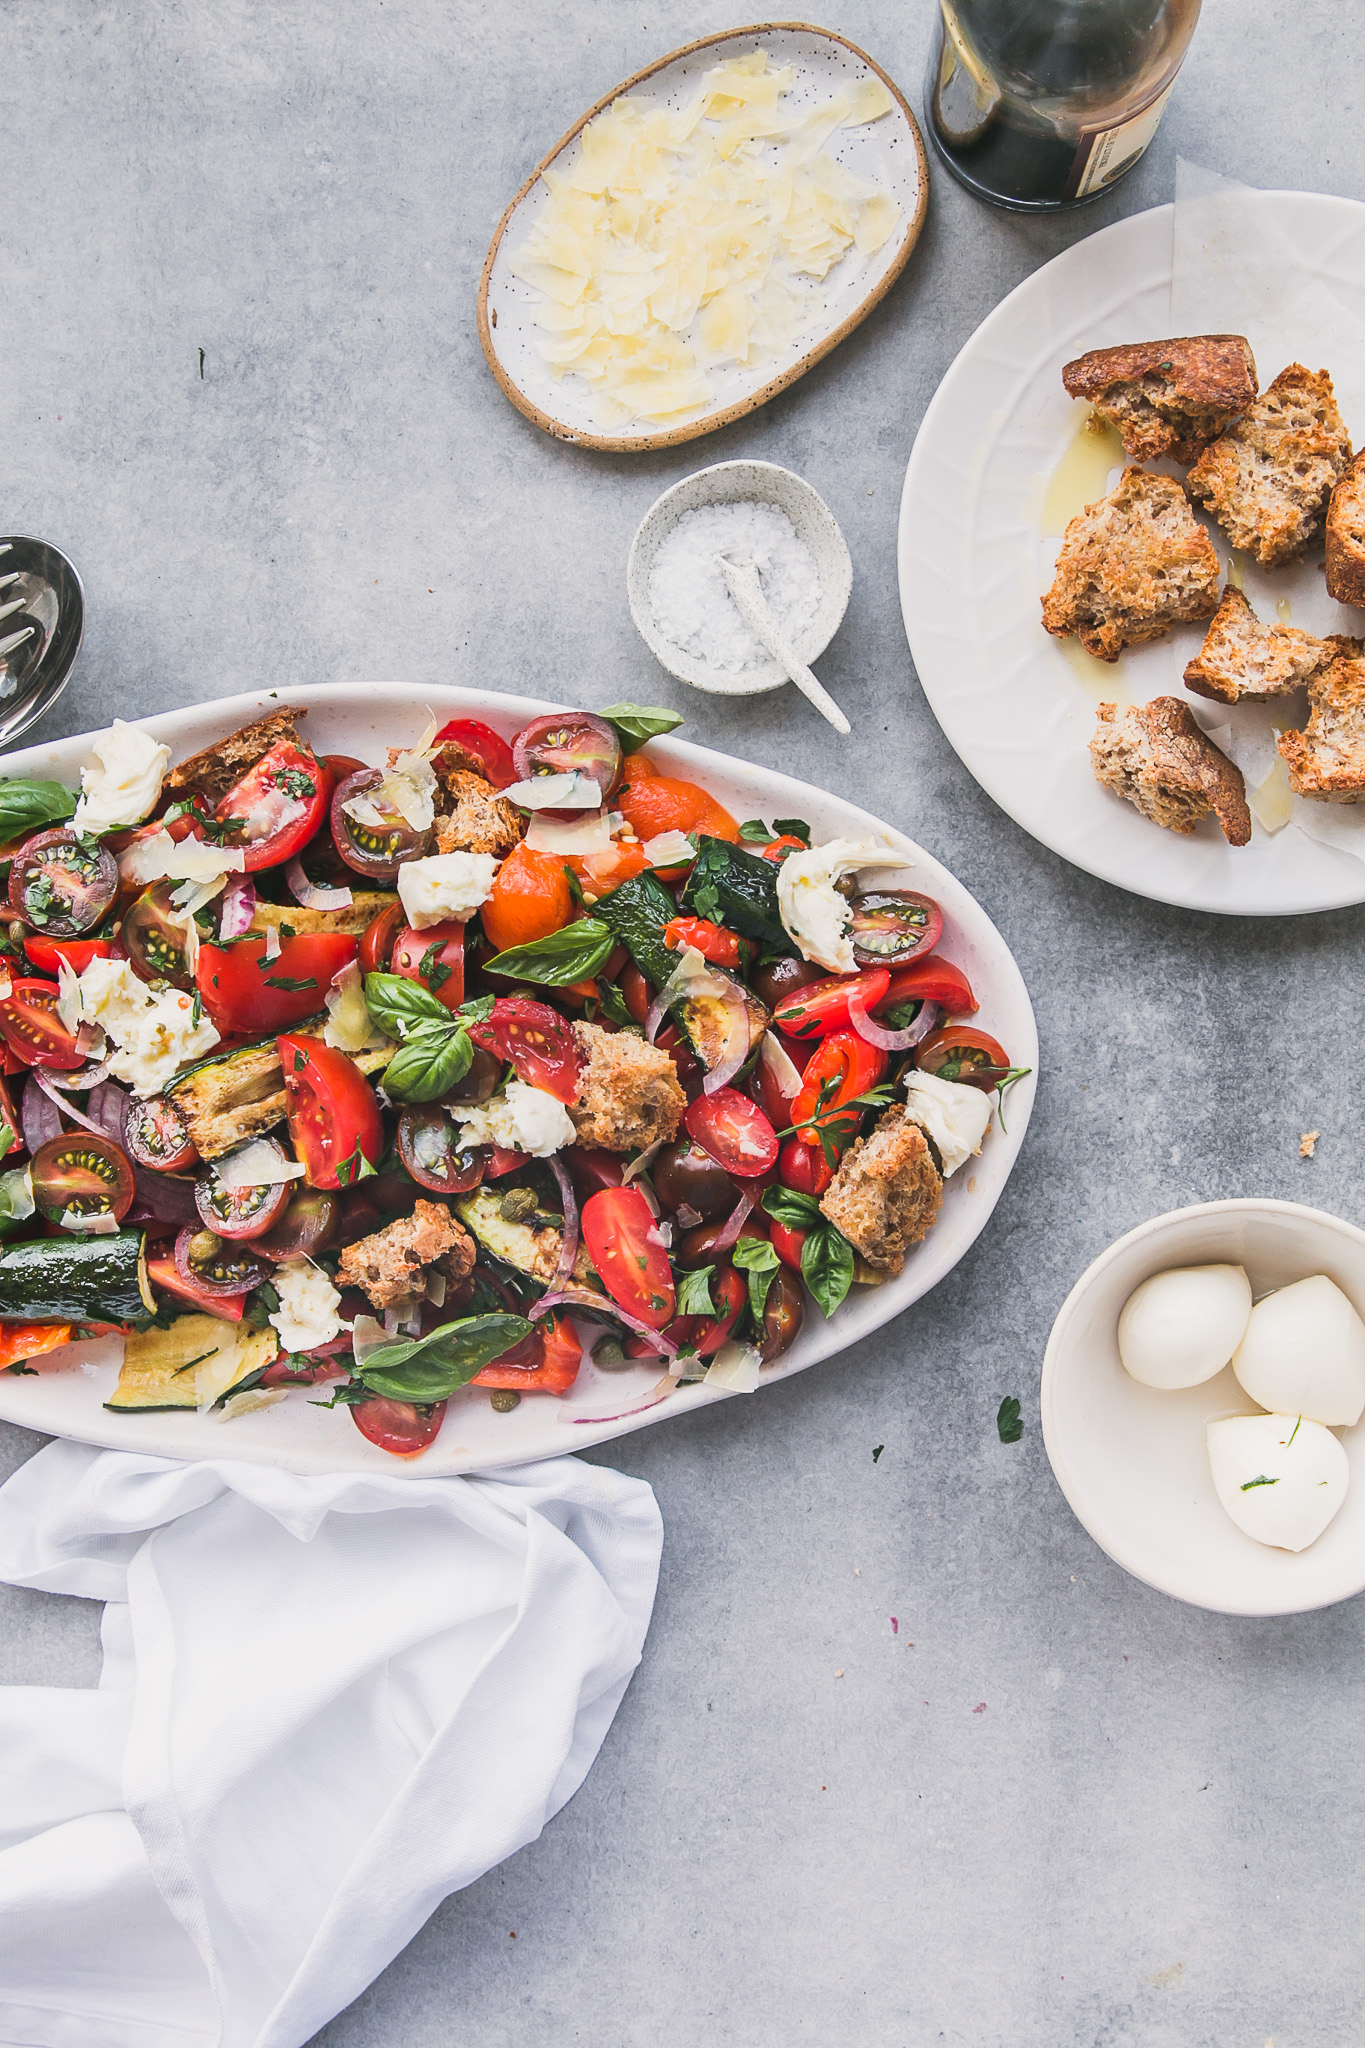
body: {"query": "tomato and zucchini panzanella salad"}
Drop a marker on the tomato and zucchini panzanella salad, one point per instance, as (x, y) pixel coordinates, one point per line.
(425, 1075)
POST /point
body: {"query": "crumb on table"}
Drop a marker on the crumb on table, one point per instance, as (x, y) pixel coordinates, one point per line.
(1308, 1144)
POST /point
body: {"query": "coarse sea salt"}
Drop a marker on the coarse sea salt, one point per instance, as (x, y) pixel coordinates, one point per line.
(687, 592)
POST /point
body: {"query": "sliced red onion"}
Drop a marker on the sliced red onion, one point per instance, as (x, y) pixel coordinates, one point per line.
(83, 1077)
(166, 1197)
(312, 895)
(67, 1108)
(237, 908)
(736, 1046)
(109, 1106)
(40, 1113)
(89, 1038)
(658, 1010)
(734, 1223)
(568, 1250)
(583, 1297)
(878, 1035)
(652, 1399)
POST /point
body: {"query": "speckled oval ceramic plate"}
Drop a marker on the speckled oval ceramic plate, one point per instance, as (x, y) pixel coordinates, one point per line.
(66, 1398)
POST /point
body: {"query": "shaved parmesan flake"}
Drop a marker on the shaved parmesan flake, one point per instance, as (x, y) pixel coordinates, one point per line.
(272, 942)
(585, 835)
(688, 239)
(669, 849)
(261, 1164)
(102, 1224)
(735, 1368)
(570, 792)
(159, 858)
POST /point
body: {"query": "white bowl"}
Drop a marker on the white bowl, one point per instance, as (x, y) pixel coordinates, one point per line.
(729, 483)
(1133, 1462)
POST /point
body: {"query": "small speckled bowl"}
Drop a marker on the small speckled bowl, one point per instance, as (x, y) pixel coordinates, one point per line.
(728, 483)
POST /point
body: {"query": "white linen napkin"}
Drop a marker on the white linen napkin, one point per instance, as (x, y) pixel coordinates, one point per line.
(326, 1703)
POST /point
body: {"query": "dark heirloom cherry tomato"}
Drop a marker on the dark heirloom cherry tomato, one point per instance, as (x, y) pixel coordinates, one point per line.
(398, 1426)
(687, 1177)
(308, 1225)
(240, 1212)
(434, 1153)
(155, 939)
(625, 1246)
(243, 991)
(590, 1169)
(567, 743)
(280, 802)
(962, 1053)
(931, 981)
(733, 1130)
(479, 1080)
(61, 884)
(538, 1042)
(783, 1314)
(44, 953)
(892, 927)
(846, 1066)
(488, 750)
(803, 1167)
(546, 1362)
(435, 957)
(84, 1173)
(215, 1266)
(698, 1247)
(822, 1007)
(156, 1135)
(32, 1028)
(334, 1116)
(377, 850)
(163, 1274)
(779, 979)
(376, 944)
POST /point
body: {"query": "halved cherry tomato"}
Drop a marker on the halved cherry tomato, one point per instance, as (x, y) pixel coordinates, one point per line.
(931, 981)
(625, 1246)
(775, 1082)
(398, 1426)
(377, 849)
(690, 1068)
(538, 1042)
(156, 1135)
(432, 1149)
(155, 939)
(243, 991)
(164, 1274)
(488, 750)
(240, 1212)
(803, 1168)
(778, 849)
(703, 1335)
(591, 1169)
(435, 957)
(843, 1067)
(339, 766)
(569, 743)
(822, 1007)
(546, 1362)
(81, 1174)
(530, 899)
(786, 1242)
(892, 927)
(376, 942)
(962, 1053)
(712, 941)
(309, 1224)
(655, 803)
(334, 1116)
(32, 1028)
(733, 1130)
(44, 953)
(281, 802)
(635, 993)
(62, 884)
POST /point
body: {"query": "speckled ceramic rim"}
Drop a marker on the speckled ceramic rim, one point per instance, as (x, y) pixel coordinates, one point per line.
(707, 424)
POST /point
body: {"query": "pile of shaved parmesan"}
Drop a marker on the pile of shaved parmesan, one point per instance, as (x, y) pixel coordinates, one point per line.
(684, 241)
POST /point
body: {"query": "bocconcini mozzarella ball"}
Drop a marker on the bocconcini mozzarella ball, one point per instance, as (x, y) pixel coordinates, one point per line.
(1280, 1477)
(1181, 1327)
(1304, 1353)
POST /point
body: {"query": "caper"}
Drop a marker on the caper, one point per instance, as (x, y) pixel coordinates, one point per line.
(518, 1205)
(503, 1400)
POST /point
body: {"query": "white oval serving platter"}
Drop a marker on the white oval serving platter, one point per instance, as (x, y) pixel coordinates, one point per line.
(66, 1398)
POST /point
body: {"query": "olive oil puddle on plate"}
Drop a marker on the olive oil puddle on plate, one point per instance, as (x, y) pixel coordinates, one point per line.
(1082, 475)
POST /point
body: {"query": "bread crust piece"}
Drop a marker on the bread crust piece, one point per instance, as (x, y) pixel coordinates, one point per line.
(1242, 657)
(391, 1265)
(629, 1095)
(1132, 565)
(1158, 759)
(1267, 480)
(1326, 760)
(480, 821)
(214, 769)
(1167, 397)
(1346, 536)
(887, 1192)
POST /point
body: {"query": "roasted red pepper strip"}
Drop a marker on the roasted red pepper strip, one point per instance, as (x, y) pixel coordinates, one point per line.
(712, 941)
(844, 1065)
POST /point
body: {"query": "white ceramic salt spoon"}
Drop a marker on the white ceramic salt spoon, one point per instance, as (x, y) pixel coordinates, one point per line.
(741, 580)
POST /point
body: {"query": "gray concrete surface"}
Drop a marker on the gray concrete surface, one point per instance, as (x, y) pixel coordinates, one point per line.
(1056, 1810)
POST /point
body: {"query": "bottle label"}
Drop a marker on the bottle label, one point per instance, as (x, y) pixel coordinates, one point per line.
(1105, 154)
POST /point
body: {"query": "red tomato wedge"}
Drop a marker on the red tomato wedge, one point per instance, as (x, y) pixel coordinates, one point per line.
(546, 1362)
(787, 1243)
(804, 1168)
(44, 953)
(625, 1246)
(398, 1426)
(538, 1042)
(822, 1006)
(488, 750)
(165, 1275)
(376, 943)
(435, 957)
(733, 1130)
(334, 1115)
(281, 802)
(243, 991)
(931, 981)
(33, 1030)
(842, 1068)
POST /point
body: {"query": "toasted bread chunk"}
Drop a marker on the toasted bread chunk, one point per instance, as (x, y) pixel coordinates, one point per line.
(1156, 757)
(1131, 565)
(887, 1192)
(1167, 397)
(629, 1095)
(480, 821)
(391, 1265)
(1327, 759)
(1268, 479)
(213, 772)
(1346, 537)
(1243, 658)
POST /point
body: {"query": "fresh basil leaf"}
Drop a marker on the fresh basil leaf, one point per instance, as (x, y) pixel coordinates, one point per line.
(26, 806)
(399, 1004)
(756, 1257)
(572, 954)
(694, 1292)
(754, 832)
(612, 1003)
(827, 1266)
(356, 1167)
(289, 982)
(633, 724)
(797, 1211)
(431, 1059)
(795, 828)
(1008, 1420)
(478, 1011)
(430, 1368)
(6, 1139)
(349, 1394)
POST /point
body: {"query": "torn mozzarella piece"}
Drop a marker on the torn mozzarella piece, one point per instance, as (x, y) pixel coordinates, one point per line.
(124, 782)
(522, 1118)
(1181, 1327)
(1304, 1351)
(307, 1314)
(815, 915)
(445, 885)
(154, 1030)
(1280, 1477)
(955, 1115)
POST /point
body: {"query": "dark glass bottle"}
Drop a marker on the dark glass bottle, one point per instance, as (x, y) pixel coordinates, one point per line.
(1038, 104)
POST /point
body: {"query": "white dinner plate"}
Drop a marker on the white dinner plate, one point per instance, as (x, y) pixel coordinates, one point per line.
(66, 1398)
(974, 558)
